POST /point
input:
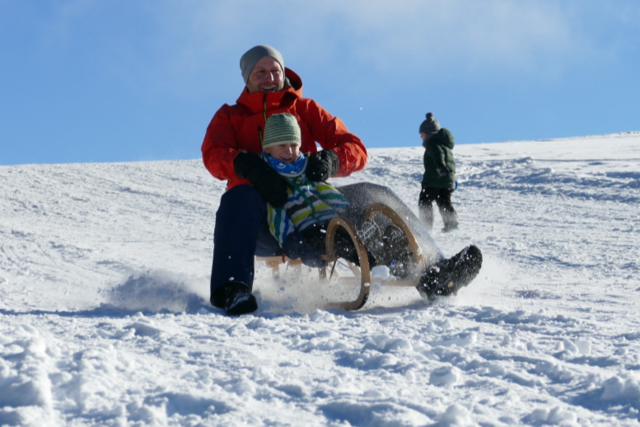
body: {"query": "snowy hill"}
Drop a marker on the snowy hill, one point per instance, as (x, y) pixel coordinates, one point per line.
(104, 317)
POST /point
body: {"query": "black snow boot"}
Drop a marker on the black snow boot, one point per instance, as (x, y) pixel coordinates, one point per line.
(449, 275)
(235, 299)
(401, 262)
(396, 241)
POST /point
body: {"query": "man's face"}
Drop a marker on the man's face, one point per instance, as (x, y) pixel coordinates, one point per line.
(266, 76)
(287, 153)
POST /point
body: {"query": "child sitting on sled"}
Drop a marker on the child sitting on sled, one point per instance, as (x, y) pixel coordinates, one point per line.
(300, 225)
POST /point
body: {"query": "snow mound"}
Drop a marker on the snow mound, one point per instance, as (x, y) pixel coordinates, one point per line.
(157, 291)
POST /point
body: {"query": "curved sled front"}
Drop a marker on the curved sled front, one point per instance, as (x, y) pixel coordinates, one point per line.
(365, 271)
(397, 220)
(361, 195)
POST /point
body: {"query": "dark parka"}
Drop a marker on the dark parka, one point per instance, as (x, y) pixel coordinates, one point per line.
(439, 150)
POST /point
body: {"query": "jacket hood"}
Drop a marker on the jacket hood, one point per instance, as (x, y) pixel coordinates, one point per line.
(255, 101)
(444, 138)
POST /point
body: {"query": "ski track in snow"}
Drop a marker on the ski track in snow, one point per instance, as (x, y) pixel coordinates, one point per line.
(104, 318)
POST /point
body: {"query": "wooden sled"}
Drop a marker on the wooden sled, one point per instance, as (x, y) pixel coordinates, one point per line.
(361, 274)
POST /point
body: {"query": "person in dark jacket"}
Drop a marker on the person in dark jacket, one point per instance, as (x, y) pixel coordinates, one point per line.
(439, 180)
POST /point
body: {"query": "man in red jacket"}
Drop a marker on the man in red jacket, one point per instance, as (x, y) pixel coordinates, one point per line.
(230, 152)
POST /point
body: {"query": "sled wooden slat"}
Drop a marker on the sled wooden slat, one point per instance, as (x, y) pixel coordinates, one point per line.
(273, 262)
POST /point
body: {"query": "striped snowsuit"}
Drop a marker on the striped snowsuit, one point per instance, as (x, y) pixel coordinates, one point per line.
(308, 203)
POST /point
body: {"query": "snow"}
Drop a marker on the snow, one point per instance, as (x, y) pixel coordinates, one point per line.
(104, 318)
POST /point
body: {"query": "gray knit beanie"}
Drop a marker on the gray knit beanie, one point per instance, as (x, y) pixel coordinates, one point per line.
(281, 129)
(255, 54)
(430, 125)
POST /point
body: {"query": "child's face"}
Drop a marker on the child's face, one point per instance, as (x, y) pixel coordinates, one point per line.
(287, 153)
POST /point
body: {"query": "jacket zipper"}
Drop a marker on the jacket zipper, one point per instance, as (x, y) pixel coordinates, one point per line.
(264, 113)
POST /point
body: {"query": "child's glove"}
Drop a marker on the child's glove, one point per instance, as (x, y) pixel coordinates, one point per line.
(321, 165)
(271, 186)
(442, 170)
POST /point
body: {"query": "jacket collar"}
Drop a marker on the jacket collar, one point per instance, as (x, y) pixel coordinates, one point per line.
(255, 101)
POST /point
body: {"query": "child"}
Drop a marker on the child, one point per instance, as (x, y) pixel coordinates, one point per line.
(300, 225)
(439, 180)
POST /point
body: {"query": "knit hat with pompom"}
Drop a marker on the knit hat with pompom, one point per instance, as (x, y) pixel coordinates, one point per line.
(430, 125)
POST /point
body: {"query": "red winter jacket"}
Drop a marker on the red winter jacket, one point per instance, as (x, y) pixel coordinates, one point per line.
(238, 127)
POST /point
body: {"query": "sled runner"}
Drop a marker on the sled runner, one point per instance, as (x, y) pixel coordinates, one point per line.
(362, 276)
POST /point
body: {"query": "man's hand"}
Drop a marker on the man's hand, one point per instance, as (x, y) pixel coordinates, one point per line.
(271, 186)
(442, 170)
(322, 165)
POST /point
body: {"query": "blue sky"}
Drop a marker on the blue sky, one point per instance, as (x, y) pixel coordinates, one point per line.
(115, 80)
